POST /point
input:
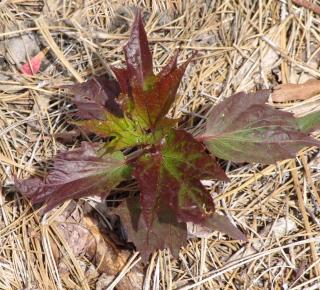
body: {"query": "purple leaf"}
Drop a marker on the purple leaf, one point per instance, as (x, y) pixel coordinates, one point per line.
(96, 97)
(76, 174)
(222, 224)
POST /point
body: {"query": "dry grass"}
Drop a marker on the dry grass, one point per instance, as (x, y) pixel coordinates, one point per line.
(243, 45)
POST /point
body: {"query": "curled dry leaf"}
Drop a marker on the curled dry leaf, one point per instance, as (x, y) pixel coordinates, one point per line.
(293, 92)
(88, 238)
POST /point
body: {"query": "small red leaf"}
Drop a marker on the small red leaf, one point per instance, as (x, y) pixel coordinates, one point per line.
(33, 67)
(144, 96)
(154, 101)
(76, 174)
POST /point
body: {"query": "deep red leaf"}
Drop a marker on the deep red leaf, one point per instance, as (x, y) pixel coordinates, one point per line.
(138, 55)
(173, 173)
(170, 66)
(153, 103)
(122, 76)
(76, 174)
(146, 97)
(96, 97)
(166, 231)
(243, 128)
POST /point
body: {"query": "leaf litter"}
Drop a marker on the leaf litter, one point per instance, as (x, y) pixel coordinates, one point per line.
(246, 175)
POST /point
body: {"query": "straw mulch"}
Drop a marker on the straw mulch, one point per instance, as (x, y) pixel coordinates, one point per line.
(243, 45)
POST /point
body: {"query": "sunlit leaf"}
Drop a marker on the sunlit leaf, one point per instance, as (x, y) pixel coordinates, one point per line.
(126, 132)
(148, 97)
(138, 55)
(242, 128)
(310, 122)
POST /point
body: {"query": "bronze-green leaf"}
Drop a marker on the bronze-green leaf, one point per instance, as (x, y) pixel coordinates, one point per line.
(138, 55)
(171, 174)
(243, 128)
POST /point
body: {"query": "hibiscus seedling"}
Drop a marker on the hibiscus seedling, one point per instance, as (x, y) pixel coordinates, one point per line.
(167, 163)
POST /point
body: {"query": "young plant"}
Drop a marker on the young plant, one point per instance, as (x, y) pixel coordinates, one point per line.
(168, 163)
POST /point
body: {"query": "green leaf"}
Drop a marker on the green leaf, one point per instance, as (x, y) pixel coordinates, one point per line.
(126, 132)
(166, 231)
(310, 122)
(76, 174)
(244, 129)
(171, 173)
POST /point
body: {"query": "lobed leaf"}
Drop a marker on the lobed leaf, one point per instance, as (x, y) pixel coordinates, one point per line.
(166, 231)
(76, 174)
(126, 133)
(145, 97)
(172, 173)
(242, 128)
(153, 102)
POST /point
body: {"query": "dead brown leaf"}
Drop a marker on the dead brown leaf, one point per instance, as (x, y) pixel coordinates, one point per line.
(86, 237)
(293, 92)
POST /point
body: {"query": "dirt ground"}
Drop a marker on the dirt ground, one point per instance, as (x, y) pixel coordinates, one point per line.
(243, 45)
